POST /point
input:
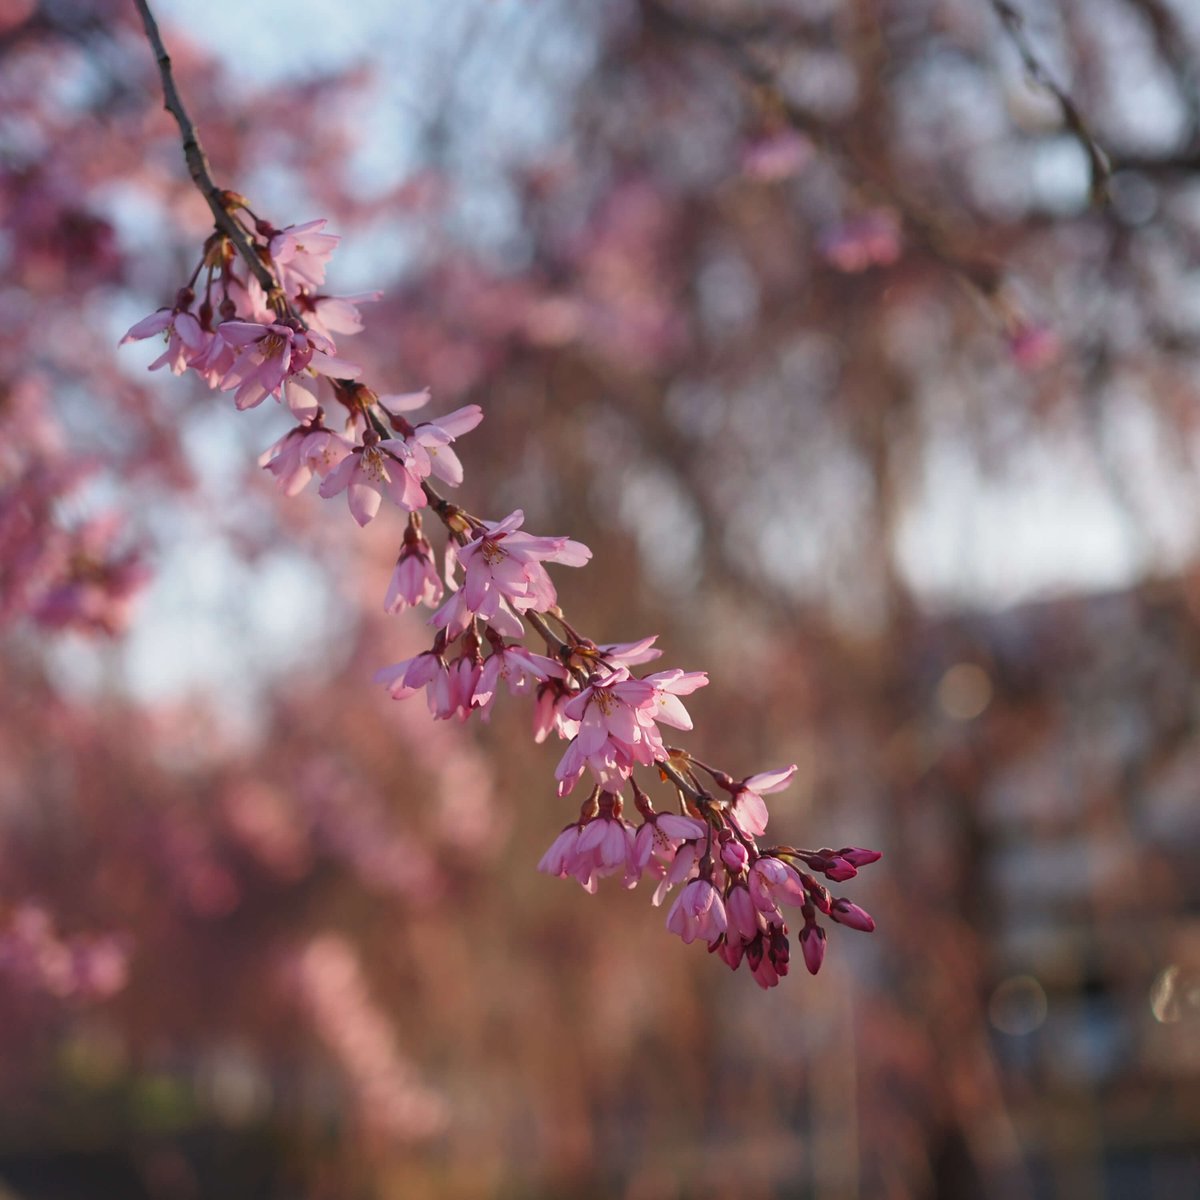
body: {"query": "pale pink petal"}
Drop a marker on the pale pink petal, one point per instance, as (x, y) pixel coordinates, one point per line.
(770, 781)
(364, 502)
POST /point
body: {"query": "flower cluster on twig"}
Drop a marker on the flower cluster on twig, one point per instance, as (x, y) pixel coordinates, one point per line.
(253, 320)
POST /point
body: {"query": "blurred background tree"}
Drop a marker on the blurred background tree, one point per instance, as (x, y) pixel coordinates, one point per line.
(859, 341)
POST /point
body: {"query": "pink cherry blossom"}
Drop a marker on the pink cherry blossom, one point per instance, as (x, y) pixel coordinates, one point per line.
(503, 566)
(860, 242)
(773, 882)
(300, 252)
(559, 860)
(666, 849)
(748, 810)
(309, 449)
(448, 686)
(764, 972)
(589, 851)
(668, 687)
(415, 579)
(698, 912)
(734, 856)
(610, 841)
(267, 355)
(662, 835)
(768, 956)
(373, 470)
(300, 401)
(617, 728)
(731, 952)
(332, 314)
(519, 668)
(610, 738)
(182, 333)
(432, 439)
(405, 678)
(1033, 346)
(839, 870)
(631, 654)
(680, 868)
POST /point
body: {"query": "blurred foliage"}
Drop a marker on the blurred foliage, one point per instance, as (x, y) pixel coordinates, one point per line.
(865, 363)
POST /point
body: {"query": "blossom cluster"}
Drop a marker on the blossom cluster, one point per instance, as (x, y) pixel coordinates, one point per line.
(81, 574)
(36, 957)
(265, 328)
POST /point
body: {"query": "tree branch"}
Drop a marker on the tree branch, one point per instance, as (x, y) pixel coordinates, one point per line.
(1098, 161)
(197, 160)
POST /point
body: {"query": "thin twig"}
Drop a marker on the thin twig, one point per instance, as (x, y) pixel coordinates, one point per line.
(197, 161)
(1098, 161)
(744, 49)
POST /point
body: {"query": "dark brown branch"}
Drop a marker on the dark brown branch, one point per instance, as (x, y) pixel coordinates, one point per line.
(197, 161)
(1098, 161)
(1171, 41)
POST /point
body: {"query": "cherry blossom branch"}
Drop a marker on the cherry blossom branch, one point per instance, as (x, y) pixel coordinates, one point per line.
(271, 334)
(197, 160)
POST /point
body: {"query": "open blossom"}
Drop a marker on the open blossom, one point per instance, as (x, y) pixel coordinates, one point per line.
(592, 849)
(185, 339)
(309, 449)
(748, 810)
(377, 468)
(668, 848)
(610, 841)
(299, 254)
(431, 439)
(561, 859)
(332, 314)
(503, 561)
(660, 837)
(565, 860)
(617, 718)
(267, 355)
(519, 668)
(698, 912)
(631, 654)
(449, 687)
(502, 566)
